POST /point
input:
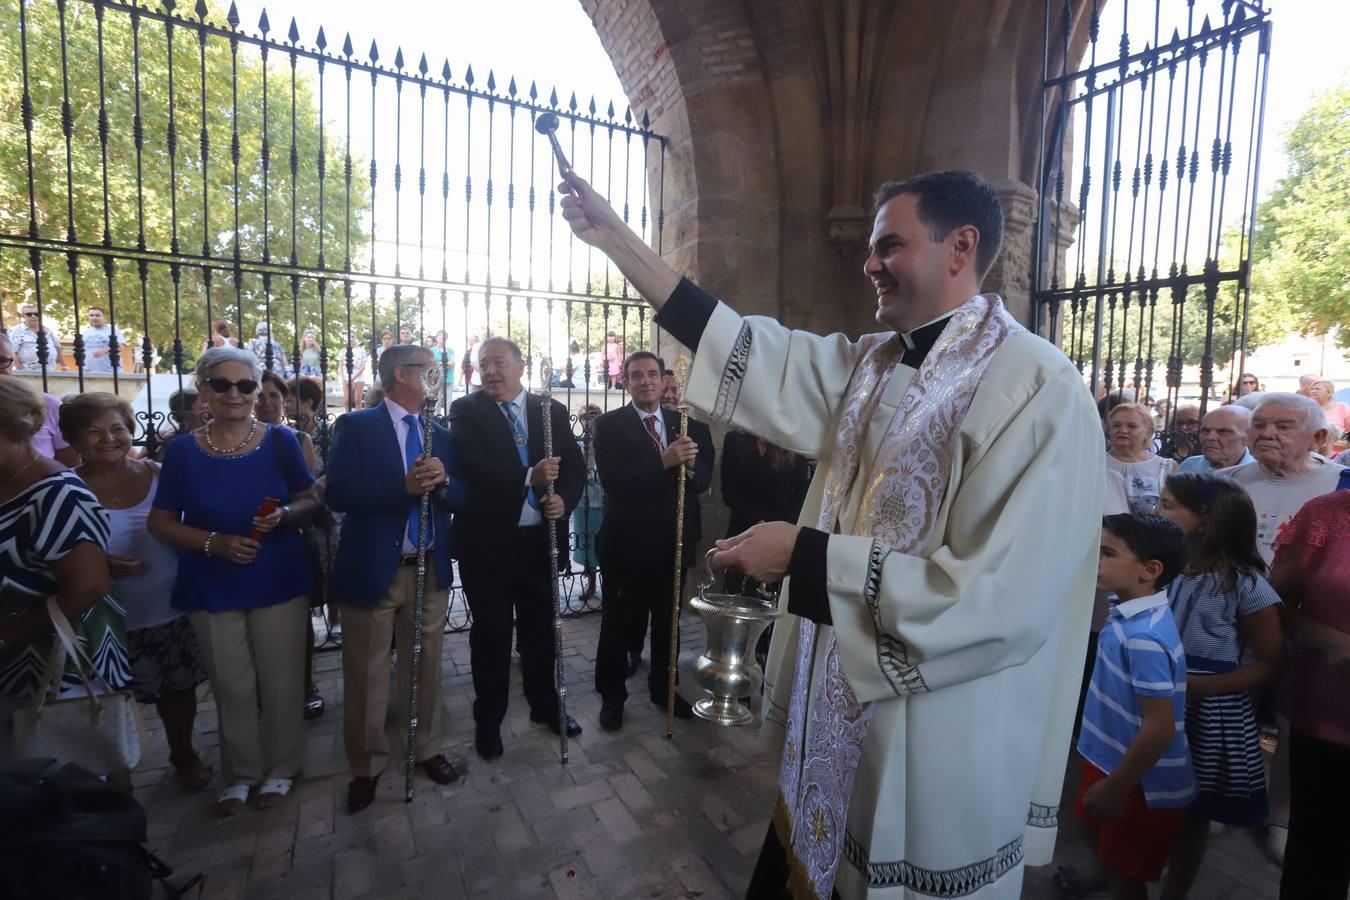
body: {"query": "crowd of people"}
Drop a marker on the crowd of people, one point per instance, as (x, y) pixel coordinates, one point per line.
(1222, 616)
(1222, 580)
(201, 559)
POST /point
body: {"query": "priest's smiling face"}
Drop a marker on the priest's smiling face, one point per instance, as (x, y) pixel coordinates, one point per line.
(917, 279)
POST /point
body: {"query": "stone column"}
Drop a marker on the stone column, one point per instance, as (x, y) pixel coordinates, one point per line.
(1011, 275)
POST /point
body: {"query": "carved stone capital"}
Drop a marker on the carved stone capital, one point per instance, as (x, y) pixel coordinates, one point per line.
(1018, 200)
(849, 229)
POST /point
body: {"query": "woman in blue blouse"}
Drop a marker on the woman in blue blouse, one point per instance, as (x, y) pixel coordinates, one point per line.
(245, 597)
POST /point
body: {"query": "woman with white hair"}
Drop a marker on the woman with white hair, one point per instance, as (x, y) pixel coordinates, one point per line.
(237, 577)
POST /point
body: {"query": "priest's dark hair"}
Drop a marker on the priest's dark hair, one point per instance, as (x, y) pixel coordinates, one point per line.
(948, 200)
(1151, 538)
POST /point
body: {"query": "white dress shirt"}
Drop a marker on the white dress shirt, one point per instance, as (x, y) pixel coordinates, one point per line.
(528, 514)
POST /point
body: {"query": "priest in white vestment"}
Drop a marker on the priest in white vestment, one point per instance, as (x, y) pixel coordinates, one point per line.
(940, 578)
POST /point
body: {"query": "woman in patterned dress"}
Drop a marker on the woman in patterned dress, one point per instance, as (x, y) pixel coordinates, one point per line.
(165, 659)
(57, 534)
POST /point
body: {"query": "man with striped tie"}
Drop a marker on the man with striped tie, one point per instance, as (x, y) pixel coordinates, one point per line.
(497, 436)
(641, 456)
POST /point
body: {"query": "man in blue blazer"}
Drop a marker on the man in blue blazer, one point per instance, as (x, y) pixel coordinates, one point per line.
(375, 474)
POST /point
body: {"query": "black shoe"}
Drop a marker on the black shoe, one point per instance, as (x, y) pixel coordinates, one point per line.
(439, 770)
(573, 729)
(488, 743)
(634, 659)
(361, 793)
(682, 708)
(611, 716)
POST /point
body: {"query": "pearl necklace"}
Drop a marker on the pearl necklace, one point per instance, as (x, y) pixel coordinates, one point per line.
(252, 428)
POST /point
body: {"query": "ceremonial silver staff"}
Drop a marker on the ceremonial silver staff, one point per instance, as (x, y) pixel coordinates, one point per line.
(431, 375)
(559, 674)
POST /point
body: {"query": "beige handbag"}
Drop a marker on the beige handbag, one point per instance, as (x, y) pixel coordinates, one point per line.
(101, 731)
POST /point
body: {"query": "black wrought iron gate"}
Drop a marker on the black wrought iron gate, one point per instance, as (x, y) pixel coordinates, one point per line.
(197, 181)
(182, 170)
(1148, 176)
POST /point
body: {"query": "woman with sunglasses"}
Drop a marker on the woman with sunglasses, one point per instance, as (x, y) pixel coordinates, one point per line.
(236, 574)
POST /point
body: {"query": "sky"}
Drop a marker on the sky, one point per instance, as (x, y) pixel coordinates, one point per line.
(1307, 56)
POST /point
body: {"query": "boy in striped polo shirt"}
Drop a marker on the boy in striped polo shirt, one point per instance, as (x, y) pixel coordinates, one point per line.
(1137, 779)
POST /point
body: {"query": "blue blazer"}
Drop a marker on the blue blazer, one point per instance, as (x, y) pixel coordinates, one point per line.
(365, 481)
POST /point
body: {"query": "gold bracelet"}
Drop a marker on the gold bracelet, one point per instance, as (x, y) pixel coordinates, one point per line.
(206, 548)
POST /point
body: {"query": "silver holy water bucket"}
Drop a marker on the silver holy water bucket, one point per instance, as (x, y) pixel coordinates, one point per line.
(727, 669)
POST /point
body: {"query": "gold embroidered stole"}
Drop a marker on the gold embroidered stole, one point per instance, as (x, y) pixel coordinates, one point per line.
(907, 486)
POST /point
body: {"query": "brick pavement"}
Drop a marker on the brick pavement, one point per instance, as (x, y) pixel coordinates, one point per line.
(632, 816)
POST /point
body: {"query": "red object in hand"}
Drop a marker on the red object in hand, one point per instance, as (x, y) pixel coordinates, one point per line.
(265, 509)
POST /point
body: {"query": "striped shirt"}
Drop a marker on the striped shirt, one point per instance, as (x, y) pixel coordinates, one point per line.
(1139, 654)
(1207, 615)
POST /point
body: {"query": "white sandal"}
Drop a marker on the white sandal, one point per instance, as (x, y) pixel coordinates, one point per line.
(272, 792)
(232, 799)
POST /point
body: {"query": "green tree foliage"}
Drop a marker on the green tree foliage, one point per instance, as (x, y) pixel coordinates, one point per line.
(146, 194)
(1302, 247)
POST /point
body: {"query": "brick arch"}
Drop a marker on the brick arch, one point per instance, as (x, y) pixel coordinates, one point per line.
(694, 67)
(783, 114)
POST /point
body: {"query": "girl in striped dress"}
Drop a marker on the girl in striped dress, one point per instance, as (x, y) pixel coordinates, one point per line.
(1228, 618)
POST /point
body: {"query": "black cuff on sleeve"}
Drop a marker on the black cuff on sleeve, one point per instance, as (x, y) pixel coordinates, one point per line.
(808, 596)
(686, 313)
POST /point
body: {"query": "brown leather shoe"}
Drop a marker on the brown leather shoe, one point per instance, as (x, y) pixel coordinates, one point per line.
(438, 769)
(361, 793)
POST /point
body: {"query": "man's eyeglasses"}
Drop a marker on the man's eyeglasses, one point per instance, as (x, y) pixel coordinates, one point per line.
(6, 362)
(245, 386)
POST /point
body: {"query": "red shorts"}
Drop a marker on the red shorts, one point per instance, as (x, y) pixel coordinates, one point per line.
(1138, 845)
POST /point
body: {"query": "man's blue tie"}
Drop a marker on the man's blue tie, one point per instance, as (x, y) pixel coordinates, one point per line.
(519, 430)
(412, 449)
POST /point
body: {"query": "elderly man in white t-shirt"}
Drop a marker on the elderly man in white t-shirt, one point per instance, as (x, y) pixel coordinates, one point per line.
(1285, 432)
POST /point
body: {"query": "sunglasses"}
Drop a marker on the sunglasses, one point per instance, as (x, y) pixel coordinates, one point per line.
(245, 386)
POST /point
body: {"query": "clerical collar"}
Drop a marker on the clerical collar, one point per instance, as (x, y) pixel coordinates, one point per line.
(919, 341)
